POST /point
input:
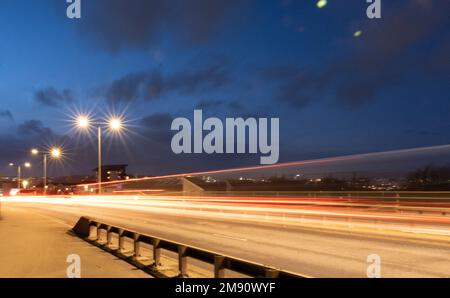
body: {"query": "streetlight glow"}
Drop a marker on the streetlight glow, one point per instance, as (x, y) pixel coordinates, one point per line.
(55, 152)
(83, 122)
(34, 151)
(115, 124)
(27, 165)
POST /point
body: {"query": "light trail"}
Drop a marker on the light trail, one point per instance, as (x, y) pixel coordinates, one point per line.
(237, 210)
(281, 165)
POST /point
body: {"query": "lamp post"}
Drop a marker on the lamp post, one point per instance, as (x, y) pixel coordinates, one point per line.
(19, 172)
(55, 153)
(114, 124)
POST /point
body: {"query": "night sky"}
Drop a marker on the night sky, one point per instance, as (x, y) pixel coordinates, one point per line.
(152, 61)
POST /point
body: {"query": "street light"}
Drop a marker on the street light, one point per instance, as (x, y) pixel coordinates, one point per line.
(55, 153)
(19, 172)
(114, 124)
(83, 122)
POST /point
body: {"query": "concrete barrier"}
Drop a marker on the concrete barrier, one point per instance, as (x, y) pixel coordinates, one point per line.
(82, 227)
(90, 230)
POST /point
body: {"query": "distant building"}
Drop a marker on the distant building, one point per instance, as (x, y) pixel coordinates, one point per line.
(113, 172)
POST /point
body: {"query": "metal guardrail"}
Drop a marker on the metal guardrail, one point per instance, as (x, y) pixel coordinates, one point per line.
(85, 227)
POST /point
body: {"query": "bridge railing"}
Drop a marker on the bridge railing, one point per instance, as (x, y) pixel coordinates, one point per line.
(90, 230)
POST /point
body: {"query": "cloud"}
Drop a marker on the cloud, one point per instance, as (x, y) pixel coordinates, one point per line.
(295, 86)
(137, 24)
(33, 128)
(385, 55)
(212, 76)
(53, 98)
(151, 85)
(157, 121)
(215, 104)
(7, 115)
(134, 86)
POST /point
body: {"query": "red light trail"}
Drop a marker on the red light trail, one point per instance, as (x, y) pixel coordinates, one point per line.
(280, 165)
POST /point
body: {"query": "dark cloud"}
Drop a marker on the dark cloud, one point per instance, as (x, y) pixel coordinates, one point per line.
(152, 84)
(34, 127)
(118, 24)
(295, 86)
(155, 128)
(134, 86)
(53, 98)
(6, 114)
(157, 121)
(214, 75)
(385, 54)
(215, 104)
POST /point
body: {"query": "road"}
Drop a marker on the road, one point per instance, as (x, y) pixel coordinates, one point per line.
(323, 247)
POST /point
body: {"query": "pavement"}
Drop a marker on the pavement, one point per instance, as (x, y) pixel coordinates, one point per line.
(37, 246)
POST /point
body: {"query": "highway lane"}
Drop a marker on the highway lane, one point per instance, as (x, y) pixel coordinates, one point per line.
(314, 250)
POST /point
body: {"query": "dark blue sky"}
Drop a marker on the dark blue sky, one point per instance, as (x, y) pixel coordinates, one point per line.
(156, 60)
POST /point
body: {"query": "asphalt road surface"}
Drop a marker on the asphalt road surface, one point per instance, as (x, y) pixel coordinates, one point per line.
(313, 249)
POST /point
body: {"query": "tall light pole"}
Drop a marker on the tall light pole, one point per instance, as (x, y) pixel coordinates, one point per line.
(114, 124)
(99, 171)
(55, 153)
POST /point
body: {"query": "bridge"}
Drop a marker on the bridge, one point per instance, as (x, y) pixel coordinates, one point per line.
(315, 234)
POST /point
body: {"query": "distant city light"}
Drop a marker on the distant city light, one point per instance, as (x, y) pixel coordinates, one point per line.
(357, 33)
(25, 183)
(322, 3)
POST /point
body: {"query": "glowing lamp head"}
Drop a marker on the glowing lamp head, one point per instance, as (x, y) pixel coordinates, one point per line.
(34, 151)
(27, 165)
(11, 164)
(83, 122)
(115, 124)
(55, 152)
